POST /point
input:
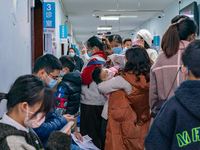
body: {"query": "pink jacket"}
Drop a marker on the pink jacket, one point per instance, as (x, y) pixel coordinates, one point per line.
(163, 73)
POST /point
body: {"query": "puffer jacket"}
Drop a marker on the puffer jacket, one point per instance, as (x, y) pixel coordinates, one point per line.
(70, 89)
(53, 122)
(129, 116)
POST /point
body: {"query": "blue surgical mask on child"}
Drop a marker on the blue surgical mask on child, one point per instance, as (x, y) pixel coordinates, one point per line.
(89, 54)
(117, 50)
(71, 54)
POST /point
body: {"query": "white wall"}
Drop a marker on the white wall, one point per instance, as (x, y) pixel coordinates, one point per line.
(15, 43)
(158, 26)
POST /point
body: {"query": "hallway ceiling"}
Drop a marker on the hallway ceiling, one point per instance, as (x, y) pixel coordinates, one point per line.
(82, 15)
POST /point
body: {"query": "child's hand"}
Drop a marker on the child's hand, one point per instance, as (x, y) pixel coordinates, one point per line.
(78, 136)
(84, 50)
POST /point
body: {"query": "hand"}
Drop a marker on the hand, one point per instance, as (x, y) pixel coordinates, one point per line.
(68, 117)
(68, 129)
(84, 50)
(78, 136)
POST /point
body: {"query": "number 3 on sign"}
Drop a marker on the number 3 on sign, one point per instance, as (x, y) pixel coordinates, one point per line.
(48, 7)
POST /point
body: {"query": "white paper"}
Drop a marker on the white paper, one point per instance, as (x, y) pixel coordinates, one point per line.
(87, 143)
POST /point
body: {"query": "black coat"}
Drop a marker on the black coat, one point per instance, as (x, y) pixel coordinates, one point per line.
(70, 88)
(177, 125)
(79, 63)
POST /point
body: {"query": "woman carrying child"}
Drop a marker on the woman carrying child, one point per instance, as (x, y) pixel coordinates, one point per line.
(129, 114)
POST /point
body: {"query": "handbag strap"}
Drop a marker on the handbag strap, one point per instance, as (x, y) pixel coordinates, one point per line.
(173, 83)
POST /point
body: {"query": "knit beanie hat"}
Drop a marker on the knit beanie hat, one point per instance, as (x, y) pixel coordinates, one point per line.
(146, 35)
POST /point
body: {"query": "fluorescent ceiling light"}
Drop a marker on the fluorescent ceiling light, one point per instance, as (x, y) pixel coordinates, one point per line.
(104, 28)
(110, 18)
(128, 16)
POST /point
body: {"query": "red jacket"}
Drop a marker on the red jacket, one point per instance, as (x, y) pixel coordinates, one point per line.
(86, 74)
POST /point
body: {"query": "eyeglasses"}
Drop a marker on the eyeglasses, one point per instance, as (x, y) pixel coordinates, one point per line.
(54, 77)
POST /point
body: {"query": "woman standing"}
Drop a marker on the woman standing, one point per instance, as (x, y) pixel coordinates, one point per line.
(165, 77)
(29, 101)
(79, 61)
(144, 39)
(91, 100)
(129, 114)
(116, 43)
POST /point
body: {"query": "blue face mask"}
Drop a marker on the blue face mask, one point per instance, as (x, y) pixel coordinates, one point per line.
(61, 74)
(71, 54)
(117, 50)
(89, 54)
(52, 82)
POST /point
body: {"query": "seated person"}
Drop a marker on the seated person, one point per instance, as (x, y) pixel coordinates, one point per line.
(28, 105)
(69, 90)
(47, 68)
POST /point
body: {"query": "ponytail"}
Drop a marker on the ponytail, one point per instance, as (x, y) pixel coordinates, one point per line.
(175, 33)
(170, 40)
(102, 44)
(3, 96)
(107, 47)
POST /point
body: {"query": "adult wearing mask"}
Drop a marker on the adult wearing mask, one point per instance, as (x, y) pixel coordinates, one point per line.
(165, 75)
(92, 101)
(29, 101)
(116, 43)
(144, 39)
(79, 61)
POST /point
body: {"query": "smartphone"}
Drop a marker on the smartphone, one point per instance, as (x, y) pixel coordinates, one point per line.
(67, 126)
(76, 115)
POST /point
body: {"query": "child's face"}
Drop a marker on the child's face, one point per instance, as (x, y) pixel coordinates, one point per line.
(104, 74)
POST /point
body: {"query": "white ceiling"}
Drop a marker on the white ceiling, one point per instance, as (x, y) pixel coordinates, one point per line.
(80, 14)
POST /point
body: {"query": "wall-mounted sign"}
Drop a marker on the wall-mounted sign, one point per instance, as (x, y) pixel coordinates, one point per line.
(156, 40)
(63, 33)
(49, 17)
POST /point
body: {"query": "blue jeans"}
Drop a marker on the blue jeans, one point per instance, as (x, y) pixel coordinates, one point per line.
(74, 146)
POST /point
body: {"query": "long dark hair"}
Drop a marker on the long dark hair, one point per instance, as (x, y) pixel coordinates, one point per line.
(175, 33)
(30, 89)
(138, 62)
(102, 44)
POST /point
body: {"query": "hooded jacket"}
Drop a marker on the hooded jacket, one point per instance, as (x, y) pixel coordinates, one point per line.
(129, 116)
(177, 125)
(14, 139)
(70, 88)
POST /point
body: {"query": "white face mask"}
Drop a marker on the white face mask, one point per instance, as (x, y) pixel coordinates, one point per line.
(36, 122)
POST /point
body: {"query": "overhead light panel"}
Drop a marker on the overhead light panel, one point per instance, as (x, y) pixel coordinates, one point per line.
(110, 18)
(104, 28)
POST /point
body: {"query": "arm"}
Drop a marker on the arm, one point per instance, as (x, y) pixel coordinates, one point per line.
(113, 85)
(153, 92)
(53, 122)
(58, 141)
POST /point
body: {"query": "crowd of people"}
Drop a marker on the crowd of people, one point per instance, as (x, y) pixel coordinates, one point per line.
(130, 97)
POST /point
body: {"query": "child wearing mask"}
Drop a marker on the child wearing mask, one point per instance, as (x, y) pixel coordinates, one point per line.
(69, 90)
(29, 101)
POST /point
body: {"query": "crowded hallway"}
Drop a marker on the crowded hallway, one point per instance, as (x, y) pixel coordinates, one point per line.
(100, 75)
